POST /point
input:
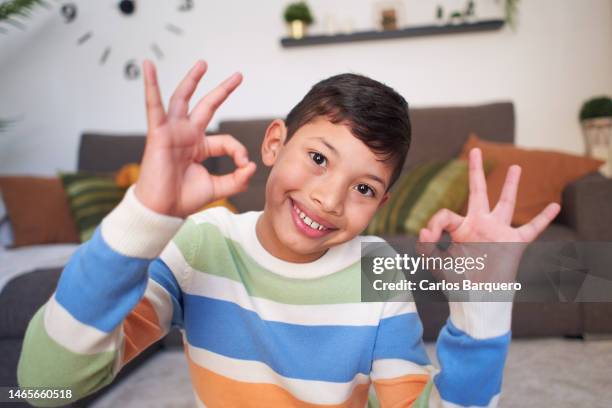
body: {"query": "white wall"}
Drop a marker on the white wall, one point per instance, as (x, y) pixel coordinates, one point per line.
(560, 55)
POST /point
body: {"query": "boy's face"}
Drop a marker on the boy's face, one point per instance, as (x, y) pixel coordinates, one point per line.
(324, 188)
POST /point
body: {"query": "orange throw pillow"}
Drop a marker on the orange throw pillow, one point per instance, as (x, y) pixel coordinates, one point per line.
(544, 174)
(38, 210)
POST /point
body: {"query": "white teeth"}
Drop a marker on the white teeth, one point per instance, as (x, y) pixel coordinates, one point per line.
(312, 224)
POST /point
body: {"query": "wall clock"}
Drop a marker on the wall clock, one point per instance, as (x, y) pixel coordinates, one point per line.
(124, 9)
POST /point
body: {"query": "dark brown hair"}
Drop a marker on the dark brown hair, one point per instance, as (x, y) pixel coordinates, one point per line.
(374, 112)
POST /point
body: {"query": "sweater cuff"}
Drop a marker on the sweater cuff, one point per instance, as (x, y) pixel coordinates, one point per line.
(134, 230)
(481, 320)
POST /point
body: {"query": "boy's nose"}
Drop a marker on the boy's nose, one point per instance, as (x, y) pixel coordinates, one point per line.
(329, 195)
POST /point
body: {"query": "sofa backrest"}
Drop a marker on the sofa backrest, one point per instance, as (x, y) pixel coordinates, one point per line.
(437, 133)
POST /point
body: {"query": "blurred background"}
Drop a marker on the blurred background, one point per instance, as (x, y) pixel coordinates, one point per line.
(558, 56)
(527, 81)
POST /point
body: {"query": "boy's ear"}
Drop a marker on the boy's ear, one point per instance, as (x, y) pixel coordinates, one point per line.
(275, 137)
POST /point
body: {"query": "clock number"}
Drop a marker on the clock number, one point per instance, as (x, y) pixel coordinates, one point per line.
(131, 70)
(69, 12)
(186, 5)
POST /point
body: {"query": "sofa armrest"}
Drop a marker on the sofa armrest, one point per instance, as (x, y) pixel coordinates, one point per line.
(586, 207)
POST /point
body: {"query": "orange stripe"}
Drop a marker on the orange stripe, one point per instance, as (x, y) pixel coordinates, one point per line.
(215, 390)
(141, 329)
(400, 391)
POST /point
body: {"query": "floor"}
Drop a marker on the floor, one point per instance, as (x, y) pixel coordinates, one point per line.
(539, 373)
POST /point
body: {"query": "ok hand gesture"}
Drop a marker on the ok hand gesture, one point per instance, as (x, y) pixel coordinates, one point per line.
(481, 224)
(172, 179)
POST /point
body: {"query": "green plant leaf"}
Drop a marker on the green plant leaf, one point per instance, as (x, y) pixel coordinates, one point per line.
(17, 8)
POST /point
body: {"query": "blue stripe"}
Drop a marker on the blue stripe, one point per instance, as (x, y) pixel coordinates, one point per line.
(99, 286)
(401, 337)
(472, 369)
(160, 273)
(324, 353)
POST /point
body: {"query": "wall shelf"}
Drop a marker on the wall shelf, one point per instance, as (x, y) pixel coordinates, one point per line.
(418, 31)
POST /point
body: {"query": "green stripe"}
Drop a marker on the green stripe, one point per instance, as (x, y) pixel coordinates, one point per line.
(45, 363)
(423, 400)
(226, 258)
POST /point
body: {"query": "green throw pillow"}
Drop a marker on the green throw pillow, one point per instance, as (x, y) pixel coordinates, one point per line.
(418, 194)
(91, 197)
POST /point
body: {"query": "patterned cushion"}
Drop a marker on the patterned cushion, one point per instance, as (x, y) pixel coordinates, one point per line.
(91, 196)
(421, 192)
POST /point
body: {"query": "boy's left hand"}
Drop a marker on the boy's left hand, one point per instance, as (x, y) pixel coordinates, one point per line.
(481, 224)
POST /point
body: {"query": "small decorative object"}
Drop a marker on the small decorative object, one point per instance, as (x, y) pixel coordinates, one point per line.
(469, 16)
(298, 16)
(511, 12)
(388, 19)
(388, 15)
(596, 121)
(456, 17)
(440, 15)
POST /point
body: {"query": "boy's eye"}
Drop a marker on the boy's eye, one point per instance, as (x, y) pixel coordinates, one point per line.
(365, 190)
(318, 158)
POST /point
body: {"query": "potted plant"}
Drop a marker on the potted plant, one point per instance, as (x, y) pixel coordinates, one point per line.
(298, 16)
(596, 120)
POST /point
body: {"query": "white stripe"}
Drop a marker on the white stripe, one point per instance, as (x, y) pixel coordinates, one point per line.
(393, 368)
(398, 308)
(162, 304)
(350, 314)
(77, 337)
(200, 283)
(315, 392)
(134, 230)
(481, 320)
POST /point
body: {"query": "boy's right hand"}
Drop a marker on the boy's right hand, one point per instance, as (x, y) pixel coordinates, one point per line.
(172, 180)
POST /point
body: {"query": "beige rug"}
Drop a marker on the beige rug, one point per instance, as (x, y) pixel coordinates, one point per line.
(539, 373)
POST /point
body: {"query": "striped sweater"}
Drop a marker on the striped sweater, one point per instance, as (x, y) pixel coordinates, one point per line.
(258, 331)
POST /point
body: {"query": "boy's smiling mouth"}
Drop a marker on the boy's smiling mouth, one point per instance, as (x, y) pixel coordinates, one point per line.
(309, 224)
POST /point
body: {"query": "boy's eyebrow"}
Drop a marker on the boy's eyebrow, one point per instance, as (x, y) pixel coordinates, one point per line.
(333, 149)
(376, 178)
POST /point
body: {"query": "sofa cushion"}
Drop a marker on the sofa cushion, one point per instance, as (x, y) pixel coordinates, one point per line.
(91, 196)
(38, 210)
(545, 174)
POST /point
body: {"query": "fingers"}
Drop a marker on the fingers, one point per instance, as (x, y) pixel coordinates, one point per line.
(207, 106)
(155, 109)
(443, 220)
(233, 183)
(223, 145)
(533, 228)
(507, 200)
(179, 102)
(477, 201)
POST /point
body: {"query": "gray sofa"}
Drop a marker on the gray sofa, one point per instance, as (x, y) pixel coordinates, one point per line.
(438, 133)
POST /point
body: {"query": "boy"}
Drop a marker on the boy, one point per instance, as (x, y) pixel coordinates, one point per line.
(269, 302)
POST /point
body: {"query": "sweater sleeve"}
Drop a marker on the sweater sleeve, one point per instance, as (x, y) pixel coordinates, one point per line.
(471, 350)
(115, 297)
